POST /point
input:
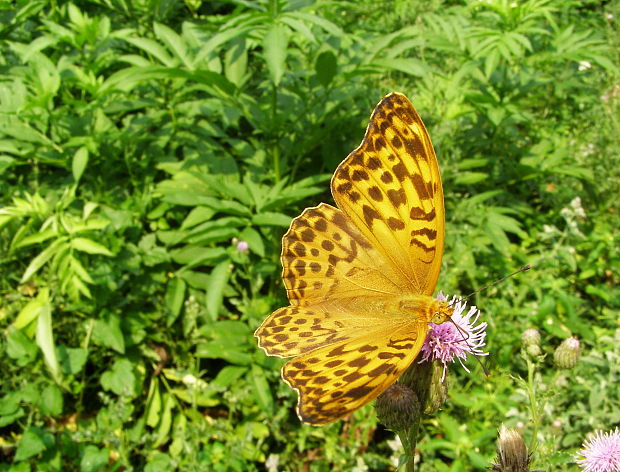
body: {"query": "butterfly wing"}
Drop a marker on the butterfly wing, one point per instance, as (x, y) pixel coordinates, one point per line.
(336, 380)
(335, 280)
(390, 188)
(326, 257)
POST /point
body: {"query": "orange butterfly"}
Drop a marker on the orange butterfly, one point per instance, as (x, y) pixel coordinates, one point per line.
(360, 277)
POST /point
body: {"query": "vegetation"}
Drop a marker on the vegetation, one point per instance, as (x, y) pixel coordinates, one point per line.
(141, 141)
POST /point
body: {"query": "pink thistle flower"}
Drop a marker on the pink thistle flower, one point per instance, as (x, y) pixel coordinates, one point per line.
(600, 453)
(444, 342)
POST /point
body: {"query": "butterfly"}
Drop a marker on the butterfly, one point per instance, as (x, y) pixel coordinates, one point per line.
(360, 276)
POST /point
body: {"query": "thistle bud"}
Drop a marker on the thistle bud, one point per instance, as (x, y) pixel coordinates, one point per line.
(567, 354)
(533, 350)
(530, 337)
(512, 455)
(398, 407)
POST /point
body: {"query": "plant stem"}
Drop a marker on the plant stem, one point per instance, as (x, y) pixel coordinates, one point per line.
(531, 392)
(418, 378)
(275, 149)
(409, 438)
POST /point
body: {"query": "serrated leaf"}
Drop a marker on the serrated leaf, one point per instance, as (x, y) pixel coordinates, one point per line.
(275, 45)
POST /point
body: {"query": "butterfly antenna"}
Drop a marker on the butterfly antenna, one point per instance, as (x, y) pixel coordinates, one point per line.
(522, 269)
(465, 338)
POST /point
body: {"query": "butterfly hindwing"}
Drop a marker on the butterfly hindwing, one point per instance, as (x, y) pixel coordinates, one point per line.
(336, 380)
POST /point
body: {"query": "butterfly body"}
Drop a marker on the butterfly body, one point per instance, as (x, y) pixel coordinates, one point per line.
(360, 276)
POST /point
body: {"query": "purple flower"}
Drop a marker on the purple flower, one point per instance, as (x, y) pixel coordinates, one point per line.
(445, 342)
(600, 453)
(242, 246)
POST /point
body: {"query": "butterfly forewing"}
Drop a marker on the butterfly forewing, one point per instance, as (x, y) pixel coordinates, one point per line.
(390, 187)
(325, 257)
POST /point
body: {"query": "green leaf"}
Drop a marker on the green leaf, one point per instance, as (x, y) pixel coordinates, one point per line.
(220, 350)
(43, 257)
(126, 79)
(174, 42)
(79, 163)
(153, 404)
(51, 401)
(31, 444)
(153, 48)
(120, 379)
(194, 256)
(10, 403)
(160, 462)
(470, 178)
(175, 296)
(19, 346)
(254, 240)
(194, 279)
(271, 219)
(89, 246)
(72, 360)
(107, 332)
(94, 459)
(411, 66)
(497, 236)
(326, 68)
(215, 288)
(236, 61)
(36, 238)
(275, 45)
(227, 376)
(45, 338)
(10, 418)
(262, 390)
(166, 420)
(29, 313)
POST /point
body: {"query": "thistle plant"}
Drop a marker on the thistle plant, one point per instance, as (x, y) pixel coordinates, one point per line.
(422, 389)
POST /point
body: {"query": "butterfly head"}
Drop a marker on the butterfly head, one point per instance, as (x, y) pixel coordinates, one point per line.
(440, 311)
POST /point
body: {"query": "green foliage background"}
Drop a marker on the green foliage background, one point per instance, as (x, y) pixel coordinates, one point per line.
(139, 139)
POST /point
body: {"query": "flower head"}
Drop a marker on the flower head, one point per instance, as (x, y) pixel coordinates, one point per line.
(242, 246)
(397, 407)
(512, 453)
(445, 342)
(600, 453)
(567, 353)
(530, 337)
